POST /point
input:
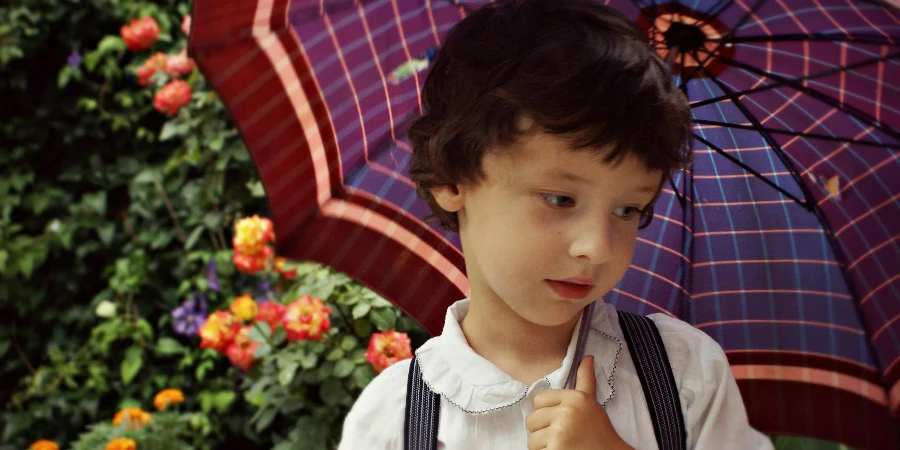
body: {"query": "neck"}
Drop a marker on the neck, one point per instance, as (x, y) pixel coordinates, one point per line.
(501, 336)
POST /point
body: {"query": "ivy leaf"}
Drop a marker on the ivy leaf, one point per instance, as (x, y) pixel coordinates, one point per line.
(132, 363)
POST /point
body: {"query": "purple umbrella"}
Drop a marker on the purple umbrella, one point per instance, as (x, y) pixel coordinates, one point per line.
(781, 242)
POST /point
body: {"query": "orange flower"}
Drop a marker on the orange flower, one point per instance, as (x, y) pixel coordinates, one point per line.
(150, 66)
(121, 444)
(244, 308)
(140, 33)
(172, 97)
(218, 331)
(167, 397)
(252, 263)
(241, 350)
(270, 313)
(133, 418)
(252, 234)
(180, 64)
(387, 348)
(306, 318)
(44, 444)
(279, 267)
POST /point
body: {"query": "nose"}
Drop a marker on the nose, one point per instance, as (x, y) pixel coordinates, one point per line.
(593, 241)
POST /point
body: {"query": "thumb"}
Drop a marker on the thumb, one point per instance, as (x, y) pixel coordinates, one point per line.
(585, 380)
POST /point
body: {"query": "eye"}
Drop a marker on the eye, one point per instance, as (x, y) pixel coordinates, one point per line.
(559, 201)
(628, 212)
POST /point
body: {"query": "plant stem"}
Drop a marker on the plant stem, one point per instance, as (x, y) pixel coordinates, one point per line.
(165, 198)
(344, 316)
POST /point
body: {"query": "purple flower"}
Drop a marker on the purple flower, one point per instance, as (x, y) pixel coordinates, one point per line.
(74, 60)
(190, 315)
(212, 277)
(189, 325)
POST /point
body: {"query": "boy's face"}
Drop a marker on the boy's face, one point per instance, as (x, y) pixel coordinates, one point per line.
(543, 214)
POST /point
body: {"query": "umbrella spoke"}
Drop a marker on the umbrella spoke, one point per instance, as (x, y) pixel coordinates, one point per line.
(751, 171)
(796, 133)
(825, 73)
(820, 37)
(680, 196)
(825, 98)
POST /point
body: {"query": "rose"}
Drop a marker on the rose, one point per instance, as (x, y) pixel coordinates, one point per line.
(172, 97)
(306, 318)
(244, 307)
(252, 263)
(241, 350)
(140, 34)
(178, 65)
(252, 234)
(386, 348)
(150, 66)
(218, 331)
(270, 313)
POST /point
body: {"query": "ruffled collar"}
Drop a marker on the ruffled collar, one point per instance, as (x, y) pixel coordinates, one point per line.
(475, 385)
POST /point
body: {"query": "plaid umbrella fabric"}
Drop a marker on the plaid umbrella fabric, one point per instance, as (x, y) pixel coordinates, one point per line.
(781, 242)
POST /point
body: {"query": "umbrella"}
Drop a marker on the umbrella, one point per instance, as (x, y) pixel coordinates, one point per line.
(781, 242)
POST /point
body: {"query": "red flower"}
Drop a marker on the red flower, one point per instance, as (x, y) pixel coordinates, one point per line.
(252, 263)
(387, 348)
(270, 313)
(180, 64)
(186, 24)
(252, 234)
(306, 318)
(150, 66)
(172, 97)
(241, 349)
(140, 34)
(218, 331)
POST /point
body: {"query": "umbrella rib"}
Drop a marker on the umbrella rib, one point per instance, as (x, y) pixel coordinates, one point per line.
(796, 133)
(824, 98)
(819, 37)
(679, 196)
(825, 73)
(751, 170)
(712, 53)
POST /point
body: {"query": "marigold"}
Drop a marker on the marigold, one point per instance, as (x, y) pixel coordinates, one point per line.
(167, 397)
(133, 418)
(387, 348)
(241, 349)
(121, 444)
(306, 318)
(140, 33)
(218, 331)
(44, 444)
(244, 308)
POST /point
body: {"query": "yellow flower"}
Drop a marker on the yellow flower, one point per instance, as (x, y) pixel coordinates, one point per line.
(44, 444)
(133, 417)
(251, 234)
(121, 444)
(244, 308)
(167, 397)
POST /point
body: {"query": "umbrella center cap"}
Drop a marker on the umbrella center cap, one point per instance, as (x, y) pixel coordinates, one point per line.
(687, 38)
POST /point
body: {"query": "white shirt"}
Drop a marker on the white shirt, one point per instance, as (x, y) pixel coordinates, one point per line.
(484, 408)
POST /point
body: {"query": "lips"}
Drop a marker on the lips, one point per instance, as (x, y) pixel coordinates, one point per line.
(571, 289)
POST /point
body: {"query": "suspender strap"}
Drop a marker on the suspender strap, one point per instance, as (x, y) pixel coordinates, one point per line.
(657, 381)
(423, 409)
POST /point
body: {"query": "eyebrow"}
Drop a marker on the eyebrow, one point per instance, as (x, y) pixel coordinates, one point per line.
(566, 175)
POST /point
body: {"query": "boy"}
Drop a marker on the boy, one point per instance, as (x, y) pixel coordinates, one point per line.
(549, 130)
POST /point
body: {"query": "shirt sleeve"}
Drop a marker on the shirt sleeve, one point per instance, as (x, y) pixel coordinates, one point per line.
(376, 419)
(715, 415)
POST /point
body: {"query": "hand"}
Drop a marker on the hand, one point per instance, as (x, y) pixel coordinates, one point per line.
(571, 419)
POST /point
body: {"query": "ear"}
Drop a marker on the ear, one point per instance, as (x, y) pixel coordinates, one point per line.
(449, 197)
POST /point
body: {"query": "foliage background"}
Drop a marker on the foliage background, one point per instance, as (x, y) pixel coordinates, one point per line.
(104, 199)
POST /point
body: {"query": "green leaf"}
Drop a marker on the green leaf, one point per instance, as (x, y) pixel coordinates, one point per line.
(308, 360)
(349, 343)
(343, 368)
(279, 336)
(363, 375)
(132, 363)
(193, 237)
(265, 418)
(110, 44)
(361, 309)
(335, 355)
(332, 392)
(384, 319)
(167, 346)
(262, 351)
(287, 371)
(222, 400)
(260, 332)
(362, 327)
(95, 201)
(106, 232)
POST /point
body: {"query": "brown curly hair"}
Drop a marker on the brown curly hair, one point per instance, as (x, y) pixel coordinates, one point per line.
(574, 66)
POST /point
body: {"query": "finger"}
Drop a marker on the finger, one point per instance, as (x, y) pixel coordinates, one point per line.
(539, 419)
(585, 380)
(549, 398)
(539, 440)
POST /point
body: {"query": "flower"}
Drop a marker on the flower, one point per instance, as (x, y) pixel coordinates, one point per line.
(178, 65)
(212, 276)
(106, 309)
(244, 308)
(387, 348)
(189, 317)
(252, 234)
(186, 24)
(121, 444)
(306, 318)
(133, 417)
(44, 444)
(252, 263)
(218, 331)
(140, 34)
(279, 267)
(270, 313)
(151, 66)
(241, 350)
(172, 97)
(74, 59)
(167, 397)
